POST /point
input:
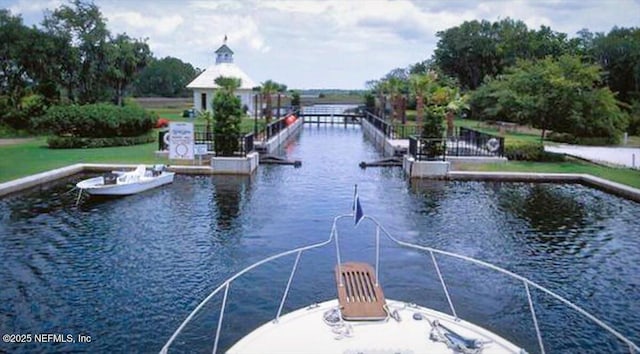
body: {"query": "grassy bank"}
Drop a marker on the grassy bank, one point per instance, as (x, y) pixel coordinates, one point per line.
(30, 157)
(34, 157)
(626, 176)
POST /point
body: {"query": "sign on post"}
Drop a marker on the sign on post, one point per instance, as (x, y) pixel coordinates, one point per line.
(200, 150)
(181, 141)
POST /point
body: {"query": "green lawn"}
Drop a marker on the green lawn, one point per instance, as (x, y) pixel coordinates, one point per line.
(522, 134)
(626, 176)
(34, 157)
(175, 115)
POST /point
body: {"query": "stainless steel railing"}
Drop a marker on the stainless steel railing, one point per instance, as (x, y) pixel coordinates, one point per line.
(633, 348)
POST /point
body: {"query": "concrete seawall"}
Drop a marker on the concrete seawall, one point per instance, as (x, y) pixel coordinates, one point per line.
(276, 141)
(389, 147)
(618, 189)
(24, 183)
(585, 179)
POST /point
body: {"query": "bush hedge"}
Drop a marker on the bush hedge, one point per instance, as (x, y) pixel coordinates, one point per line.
(96, 121)
(74, 142)
(571, 139)
(530, 151)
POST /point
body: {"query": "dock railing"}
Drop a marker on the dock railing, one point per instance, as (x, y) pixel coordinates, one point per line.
(432, 252)
(470, 142)
(392, 131)
(217, 144)
(427, 149)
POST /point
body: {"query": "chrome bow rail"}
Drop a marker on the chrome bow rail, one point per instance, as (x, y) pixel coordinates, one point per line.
(633, 348)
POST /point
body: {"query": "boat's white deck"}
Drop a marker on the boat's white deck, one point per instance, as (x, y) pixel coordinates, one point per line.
(305, 331)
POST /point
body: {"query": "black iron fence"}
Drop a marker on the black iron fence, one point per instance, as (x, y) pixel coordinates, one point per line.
(275, 127)
(471, 142)
(468, 143)
(219, 145)
(426, 149)
(392, 131)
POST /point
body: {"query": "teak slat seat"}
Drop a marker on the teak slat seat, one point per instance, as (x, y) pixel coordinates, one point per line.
(359, 297)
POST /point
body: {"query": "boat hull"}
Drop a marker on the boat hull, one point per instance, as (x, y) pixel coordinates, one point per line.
(305, 331)
(96, 186)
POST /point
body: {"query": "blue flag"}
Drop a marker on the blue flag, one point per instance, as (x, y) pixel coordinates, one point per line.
(357, 208)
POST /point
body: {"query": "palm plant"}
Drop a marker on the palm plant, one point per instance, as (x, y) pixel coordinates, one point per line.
(268, 88)
(395, 86)
(421, 86)
(228, 83)
(455, 105)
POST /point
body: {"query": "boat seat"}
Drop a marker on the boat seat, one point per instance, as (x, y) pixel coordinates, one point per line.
(359, 297)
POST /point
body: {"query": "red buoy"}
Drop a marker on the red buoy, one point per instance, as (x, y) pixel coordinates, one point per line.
(290, 120)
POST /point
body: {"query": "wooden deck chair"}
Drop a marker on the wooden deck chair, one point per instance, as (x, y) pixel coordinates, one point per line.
(359, 297)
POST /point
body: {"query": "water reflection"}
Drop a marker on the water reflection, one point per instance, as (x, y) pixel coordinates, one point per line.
(128, 270)
(230, 192)
(556, 217)
(432, 192)
(547, 208)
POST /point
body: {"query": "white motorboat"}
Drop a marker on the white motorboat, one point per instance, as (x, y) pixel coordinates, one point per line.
(361, 320)
(125, 183)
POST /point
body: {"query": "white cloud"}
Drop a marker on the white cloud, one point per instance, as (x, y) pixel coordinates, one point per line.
(158, 25)
(31, 6)
(333, 43)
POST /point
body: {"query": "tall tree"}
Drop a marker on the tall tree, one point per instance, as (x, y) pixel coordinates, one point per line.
(29, 70)
(166, 77)
(557, 94)
(13, 72)
(475, 50)
(619, 54)
(127, 57)
(84, 27)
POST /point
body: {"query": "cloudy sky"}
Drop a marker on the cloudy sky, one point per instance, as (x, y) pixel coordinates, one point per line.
(325, 44)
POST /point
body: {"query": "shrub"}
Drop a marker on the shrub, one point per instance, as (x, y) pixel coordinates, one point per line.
(634, 119)
(571, 139)
(74, 142)
(96, 121)
(31, 106)
(529, 151)
(562, 138)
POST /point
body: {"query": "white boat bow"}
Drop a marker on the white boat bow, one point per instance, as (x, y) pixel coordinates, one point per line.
(343, 325)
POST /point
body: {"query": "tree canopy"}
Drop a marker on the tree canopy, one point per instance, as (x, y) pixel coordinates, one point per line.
(476, 49)
(71, 58)
(552, 94)
(166, 77)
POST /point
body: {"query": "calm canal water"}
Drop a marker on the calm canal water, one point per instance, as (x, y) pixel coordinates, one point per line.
(127, 271)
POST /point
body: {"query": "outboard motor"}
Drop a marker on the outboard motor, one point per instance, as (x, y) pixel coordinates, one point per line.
(157, 170)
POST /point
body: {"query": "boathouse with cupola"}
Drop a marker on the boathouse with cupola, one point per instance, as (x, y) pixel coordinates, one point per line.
(204, 86)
